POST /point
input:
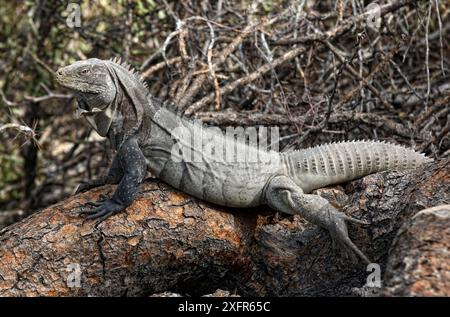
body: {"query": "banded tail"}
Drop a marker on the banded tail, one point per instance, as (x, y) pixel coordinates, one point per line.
(340, 162)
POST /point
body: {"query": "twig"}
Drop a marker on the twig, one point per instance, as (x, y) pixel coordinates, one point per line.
(406, 80)
(6, 101)
(149, 71)
(27, 131)
(230, 118)
(368, 78)
(195, 87)
(324, 122)
(340, 10)
(50, 95)
(44, 65)
(363, 81)
(441, 45)
(330, 35)
(212, 72)
(427, 55)
(247, 79)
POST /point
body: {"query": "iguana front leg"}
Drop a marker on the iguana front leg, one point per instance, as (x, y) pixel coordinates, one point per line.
(114, 176)
(132, 163)
(284, 195)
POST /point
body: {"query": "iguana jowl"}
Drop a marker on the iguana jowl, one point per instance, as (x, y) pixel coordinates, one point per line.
(115, 101)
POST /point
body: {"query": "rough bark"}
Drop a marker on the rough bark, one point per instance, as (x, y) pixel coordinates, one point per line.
(165, 240)
(168, 241)
(419, 264)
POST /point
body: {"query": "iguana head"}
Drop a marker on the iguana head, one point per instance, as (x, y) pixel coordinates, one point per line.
(90, 76)
(109, 93)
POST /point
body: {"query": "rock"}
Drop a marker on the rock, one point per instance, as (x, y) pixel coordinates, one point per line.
(221, 293)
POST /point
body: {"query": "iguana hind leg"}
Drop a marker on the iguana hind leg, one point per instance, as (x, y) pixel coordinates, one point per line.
(284, 195)
(132, 163)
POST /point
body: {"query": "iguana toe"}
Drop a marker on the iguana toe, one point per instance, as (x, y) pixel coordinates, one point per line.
(339, 234)
(83, 187)
(101, 209)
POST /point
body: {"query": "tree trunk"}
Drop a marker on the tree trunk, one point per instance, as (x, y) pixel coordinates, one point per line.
(168, 241)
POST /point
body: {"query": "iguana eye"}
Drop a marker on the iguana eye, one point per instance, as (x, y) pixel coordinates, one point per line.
(84, 71)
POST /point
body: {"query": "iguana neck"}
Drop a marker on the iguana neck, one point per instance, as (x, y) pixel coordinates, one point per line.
(134, 106)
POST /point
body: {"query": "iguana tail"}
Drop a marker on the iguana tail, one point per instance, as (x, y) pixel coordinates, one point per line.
(341, 162)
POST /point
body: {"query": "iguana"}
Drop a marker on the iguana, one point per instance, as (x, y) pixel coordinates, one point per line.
(148, 135)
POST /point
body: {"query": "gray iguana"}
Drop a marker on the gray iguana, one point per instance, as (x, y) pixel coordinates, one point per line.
(114, 99)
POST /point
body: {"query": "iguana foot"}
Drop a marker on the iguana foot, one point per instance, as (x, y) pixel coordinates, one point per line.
(337, 228)
(101, 209)
(284, 195)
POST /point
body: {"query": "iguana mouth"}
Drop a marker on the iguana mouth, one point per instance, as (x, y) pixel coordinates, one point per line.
(60, 78)
(84, 88)
(69, 83)
(60, 81)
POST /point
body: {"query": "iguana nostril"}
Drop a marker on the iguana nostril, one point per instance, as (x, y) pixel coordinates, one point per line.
(59, 72)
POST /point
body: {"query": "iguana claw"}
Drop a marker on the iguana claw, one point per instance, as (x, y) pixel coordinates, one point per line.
(101, 209)
(339, 234)
(85, 186)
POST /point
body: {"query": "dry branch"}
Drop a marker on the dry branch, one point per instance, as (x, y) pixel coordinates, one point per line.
(330, 36)
(344, 118)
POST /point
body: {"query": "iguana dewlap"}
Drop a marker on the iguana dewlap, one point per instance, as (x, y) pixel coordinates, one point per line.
(147, 135)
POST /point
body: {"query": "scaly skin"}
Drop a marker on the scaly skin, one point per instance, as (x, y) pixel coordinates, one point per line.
(150, 136)
(336, 163)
